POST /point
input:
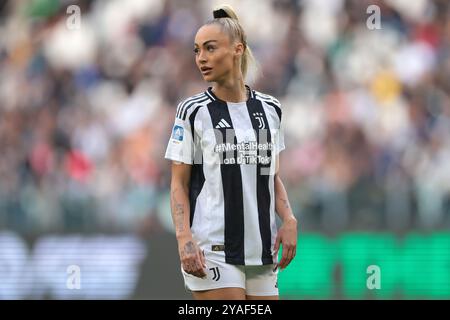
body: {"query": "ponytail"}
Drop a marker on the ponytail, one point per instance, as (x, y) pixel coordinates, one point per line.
(226, 17)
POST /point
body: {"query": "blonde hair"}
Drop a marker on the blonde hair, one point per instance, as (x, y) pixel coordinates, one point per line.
(226, 18)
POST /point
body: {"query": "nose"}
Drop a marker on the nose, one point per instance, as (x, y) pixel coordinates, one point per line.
(202, 57)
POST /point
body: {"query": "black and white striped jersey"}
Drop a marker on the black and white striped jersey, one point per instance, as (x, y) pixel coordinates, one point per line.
(232, 149)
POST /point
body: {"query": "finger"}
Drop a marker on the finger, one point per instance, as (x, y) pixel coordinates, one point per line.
(294, 252)
(282, 262)
(275, 253)
(189, 267)
(285, 257)
(199, 270)
(186, 267)
(202, 258)
(200, 273)
(196, 264)
(193, 265)
(290, 255)
(203, 266)
(277, 244)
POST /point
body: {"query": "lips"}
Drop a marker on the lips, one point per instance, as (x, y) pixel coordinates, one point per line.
(205, 69)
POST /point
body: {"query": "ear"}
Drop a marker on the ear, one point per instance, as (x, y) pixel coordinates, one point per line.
(239, 49)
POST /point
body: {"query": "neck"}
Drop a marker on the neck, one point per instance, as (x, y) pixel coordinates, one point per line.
(232, 90)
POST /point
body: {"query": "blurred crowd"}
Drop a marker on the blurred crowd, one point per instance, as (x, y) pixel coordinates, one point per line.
(86, 113)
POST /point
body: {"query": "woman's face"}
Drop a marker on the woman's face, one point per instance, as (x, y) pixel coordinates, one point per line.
(215, 55)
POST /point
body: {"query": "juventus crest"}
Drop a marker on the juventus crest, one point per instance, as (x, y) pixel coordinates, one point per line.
(216, 271)
(259, 116)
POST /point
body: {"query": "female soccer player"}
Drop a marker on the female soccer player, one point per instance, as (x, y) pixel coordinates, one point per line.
(224, 188)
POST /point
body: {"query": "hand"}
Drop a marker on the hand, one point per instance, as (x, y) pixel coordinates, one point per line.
(287, 235)
(191, 257)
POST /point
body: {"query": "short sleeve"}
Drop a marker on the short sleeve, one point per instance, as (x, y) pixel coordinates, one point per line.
(181, 145)
(279, 141)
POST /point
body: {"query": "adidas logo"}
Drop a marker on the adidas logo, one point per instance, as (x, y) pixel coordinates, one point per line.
(223, 124)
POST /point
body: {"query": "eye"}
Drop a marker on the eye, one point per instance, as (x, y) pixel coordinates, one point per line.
(210, 48)
(196, 51)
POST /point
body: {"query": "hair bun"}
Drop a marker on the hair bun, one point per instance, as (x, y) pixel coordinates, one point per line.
(220, 13)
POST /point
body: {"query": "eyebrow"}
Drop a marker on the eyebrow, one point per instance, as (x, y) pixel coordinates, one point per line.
(206, 42)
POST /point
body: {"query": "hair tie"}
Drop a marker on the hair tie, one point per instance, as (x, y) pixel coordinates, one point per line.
(220, 13)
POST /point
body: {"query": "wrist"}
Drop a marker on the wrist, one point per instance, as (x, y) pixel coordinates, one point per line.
(290, 219)
(184, 236)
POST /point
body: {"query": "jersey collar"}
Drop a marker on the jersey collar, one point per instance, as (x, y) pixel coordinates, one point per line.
(211, 94)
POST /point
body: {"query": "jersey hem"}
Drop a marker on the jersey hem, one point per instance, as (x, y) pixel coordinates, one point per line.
(238, 262)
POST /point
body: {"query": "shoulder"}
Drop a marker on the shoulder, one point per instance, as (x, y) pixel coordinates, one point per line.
(268, 100)
(191, 104)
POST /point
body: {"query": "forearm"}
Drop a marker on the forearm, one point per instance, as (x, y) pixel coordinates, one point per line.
(191, 257)
(179, 202)
(282, 206)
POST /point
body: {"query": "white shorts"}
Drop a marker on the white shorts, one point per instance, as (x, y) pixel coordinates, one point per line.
(255, 280)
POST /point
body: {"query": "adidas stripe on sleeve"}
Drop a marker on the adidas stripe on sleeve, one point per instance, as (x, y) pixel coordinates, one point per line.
(181, 144)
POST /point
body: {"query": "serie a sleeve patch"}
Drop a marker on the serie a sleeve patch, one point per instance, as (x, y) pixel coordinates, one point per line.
(177, 133)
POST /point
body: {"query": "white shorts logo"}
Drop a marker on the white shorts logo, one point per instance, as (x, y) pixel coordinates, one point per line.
(216, 276)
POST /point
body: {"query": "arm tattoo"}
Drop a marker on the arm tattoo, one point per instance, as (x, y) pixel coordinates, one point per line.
(178, 213)
(285, 202)
(179, 217)
(189, 247)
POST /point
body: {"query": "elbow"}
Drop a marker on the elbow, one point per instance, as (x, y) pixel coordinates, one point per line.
(277, 179)
(180, 177)
(179, 185)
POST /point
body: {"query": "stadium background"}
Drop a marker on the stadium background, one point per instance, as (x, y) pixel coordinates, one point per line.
(85, 116)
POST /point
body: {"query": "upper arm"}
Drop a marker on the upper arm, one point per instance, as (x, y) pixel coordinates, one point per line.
(181, 174)
(277, 165)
